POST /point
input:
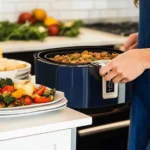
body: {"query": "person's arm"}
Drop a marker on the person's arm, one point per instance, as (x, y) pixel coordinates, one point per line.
(127, 66)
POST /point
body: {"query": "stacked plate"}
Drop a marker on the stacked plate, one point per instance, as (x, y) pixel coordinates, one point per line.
(20, 74)
(59, 102)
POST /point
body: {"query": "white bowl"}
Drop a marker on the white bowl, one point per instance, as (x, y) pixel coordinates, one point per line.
(25, 70)
(18, 73)
(8, 74)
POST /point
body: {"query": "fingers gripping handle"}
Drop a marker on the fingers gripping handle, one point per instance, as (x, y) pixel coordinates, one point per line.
(110, 89)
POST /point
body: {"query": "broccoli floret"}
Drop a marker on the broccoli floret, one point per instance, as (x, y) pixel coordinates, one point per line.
(4, 82)
(7, 99)
(9, 82)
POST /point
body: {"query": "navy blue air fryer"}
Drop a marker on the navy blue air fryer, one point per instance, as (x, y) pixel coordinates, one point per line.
(81, 83)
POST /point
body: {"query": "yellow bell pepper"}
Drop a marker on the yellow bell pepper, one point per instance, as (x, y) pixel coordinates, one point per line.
(18, 93)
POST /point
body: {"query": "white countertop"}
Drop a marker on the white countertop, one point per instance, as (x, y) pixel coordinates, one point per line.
(42, 123)
(87, 37)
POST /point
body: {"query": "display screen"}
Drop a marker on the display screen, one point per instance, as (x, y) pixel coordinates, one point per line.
(109, 86)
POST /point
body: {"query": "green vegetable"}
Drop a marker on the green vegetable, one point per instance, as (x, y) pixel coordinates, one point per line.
(72, 30)
(4, 82)
(7, 99)
(27, 31)
(14, 31)
(48, 93)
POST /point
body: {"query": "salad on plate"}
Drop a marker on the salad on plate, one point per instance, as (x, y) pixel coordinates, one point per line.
(21, 93)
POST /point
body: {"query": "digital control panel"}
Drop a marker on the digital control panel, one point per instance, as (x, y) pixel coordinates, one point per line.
(110, 87)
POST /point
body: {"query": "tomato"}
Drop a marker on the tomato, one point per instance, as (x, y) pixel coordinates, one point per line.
(41, 99)
(27, 100)
(23, 17)
(33, 20)
(40, 90)
(35, 89)
(53, 30)
(7, 88)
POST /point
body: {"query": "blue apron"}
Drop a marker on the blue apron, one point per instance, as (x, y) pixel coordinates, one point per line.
(139, 136)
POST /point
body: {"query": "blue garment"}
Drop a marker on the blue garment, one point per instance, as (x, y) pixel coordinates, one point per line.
(140, 109)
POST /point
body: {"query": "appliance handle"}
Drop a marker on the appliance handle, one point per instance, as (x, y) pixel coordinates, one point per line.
(104, 128)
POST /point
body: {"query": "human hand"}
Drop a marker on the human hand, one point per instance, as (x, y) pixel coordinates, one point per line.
(131, 42)
(125, 67)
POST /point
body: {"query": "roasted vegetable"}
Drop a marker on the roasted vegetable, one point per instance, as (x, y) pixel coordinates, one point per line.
(7, 88)
(19, 102)
(23, 93)
(4, 82)
(2, 104)
(27, 87)
(27, 100)
(48, 92)
(18, 93)
(7, 99)
(40, 90)
(42, 99)
(12, 105)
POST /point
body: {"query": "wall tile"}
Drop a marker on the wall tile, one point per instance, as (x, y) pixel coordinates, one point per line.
(10, 16)
(0, 5)
(71, 9)
(53, 14)
(122, 12)
(83, 15)
(117, 4)
(60, 5)
(26, 6)
(83, 5)
(67, 15)
(93, 14)
(108, 13)
(8, 7)
(133, 12)
(44, 5)
(100, 4)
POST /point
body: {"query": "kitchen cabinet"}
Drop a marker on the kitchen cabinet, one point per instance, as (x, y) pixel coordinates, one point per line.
(46, 131)
(49, 141)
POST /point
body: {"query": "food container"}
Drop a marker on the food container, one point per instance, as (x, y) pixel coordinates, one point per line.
(20, 74)
(82, 85)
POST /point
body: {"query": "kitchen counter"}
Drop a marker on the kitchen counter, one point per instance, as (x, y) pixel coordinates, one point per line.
(48, 125)
(66, 118)
(87, 37)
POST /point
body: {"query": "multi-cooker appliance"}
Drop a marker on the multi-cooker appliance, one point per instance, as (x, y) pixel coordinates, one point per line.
(81, 83)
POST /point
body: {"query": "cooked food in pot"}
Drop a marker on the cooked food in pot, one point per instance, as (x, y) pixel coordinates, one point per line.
(84, 57)
(10, 64)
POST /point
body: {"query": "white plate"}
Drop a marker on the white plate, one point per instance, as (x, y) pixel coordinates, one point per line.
(35, 109)
(33, 113)
(58, 97)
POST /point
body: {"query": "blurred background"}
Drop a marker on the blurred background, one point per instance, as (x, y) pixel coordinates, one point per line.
(71, 9)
